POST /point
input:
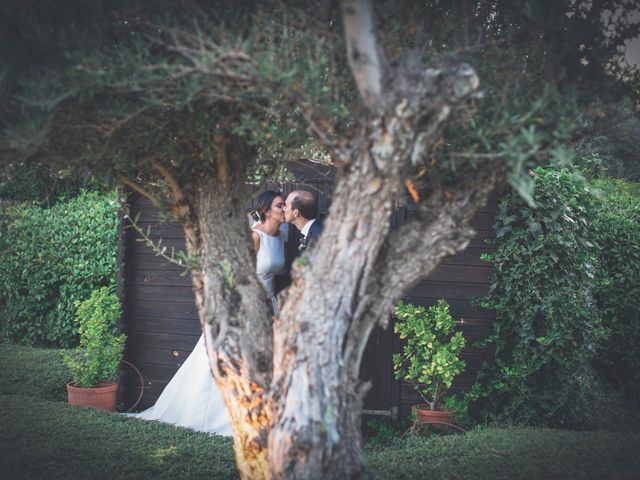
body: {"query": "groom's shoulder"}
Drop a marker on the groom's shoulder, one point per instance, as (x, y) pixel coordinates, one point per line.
(317, 227)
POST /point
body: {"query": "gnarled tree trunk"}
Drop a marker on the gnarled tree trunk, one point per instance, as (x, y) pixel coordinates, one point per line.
(233, 311)
(348, 285)
(292, 387)
(231, 302)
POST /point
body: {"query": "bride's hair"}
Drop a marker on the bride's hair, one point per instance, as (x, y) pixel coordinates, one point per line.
(263, 205)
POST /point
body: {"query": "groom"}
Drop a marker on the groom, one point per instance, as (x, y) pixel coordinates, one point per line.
(301, 209)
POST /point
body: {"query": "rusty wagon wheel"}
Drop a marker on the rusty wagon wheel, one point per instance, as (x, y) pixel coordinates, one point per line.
(134, 368)
(423, 428)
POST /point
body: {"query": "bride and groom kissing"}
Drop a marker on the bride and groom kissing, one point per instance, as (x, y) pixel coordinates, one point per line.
(271, 212)
(191, 399)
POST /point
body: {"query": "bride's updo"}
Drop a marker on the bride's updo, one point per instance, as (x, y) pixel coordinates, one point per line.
(263, 205)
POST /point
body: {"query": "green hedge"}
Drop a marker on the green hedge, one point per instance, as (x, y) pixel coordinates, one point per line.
(616, 229)
(50, 259)
(566, 292)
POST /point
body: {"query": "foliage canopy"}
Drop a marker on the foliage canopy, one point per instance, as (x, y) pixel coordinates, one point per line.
(116, 86)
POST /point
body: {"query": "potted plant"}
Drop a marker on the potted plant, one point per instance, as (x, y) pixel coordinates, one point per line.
(94, 363)
(429, 358)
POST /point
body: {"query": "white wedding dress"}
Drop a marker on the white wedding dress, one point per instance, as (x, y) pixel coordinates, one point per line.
(270, 262)
(192, 399)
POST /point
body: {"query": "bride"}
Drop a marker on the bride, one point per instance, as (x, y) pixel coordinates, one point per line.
(191, 399)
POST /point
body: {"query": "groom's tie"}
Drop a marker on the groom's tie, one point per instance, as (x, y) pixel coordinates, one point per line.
(303, 242)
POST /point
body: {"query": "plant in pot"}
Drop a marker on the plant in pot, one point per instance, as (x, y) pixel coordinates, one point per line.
(429, 358)
(94, 363)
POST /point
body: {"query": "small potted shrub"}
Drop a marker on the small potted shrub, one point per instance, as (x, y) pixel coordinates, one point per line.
(94, 363)
(429, 358)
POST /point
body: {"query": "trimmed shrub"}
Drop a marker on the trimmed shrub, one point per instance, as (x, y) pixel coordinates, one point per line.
(98, 356)
(548, 327)
(51, 258)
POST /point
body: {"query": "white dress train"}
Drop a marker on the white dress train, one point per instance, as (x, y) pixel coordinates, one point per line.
(192, 399)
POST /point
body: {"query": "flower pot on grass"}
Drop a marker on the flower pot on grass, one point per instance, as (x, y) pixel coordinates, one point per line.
(102, 396)
(94, 363)
(429, 358)
(439, 419)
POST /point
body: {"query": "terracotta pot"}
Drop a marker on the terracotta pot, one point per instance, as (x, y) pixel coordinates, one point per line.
(440, 419)
(102, 396)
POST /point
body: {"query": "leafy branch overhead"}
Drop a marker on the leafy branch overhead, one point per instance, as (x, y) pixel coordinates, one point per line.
(164, 92)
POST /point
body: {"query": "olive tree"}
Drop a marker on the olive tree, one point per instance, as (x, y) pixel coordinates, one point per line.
(185, 103)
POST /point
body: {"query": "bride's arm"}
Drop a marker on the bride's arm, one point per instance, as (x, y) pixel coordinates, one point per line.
(256, 240)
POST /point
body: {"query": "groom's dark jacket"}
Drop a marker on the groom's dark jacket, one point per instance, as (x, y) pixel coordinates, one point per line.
(312, 235)
(283, 281)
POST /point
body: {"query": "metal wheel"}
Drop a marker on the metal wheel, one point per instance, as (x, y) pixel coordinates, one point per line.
(133, 367)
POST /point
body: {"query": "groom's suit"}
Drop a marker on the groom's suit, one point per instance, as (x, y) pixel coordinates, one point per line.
(312, 235)
(295, 249)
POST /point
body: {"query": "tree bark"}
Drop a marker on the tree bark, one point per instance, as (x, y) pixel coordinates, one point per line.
(366, 61)
(231, 303)
(233, 311)
(317, 415)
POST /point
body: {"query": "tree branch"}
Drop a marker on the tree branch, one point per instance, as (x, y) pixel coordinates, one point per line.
(439, 229)
(412, 251)
(182, 260)
(366, 59)
(176, 191)
(136, 187)
(220, 144)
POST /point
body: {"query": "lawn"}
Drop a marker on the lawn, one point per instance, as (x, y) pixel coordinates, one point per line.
(44, 438)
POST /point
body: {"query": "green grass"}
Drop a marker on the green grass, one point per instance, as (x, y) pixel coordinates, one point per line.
(36, 372)
(510, 454)
(45, 439)
(40, 439)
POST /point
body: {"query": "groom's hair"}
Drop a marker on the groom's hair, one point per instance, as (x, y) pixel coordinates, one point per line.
(306, 202)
